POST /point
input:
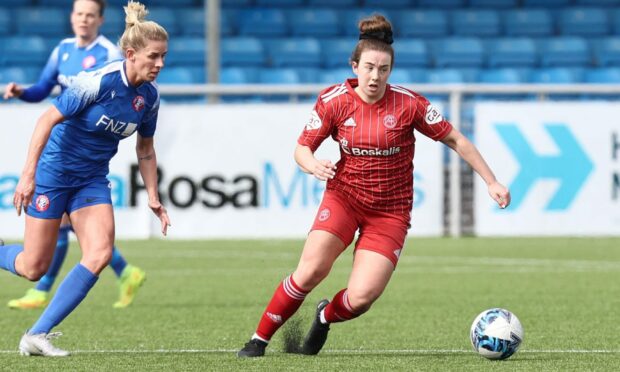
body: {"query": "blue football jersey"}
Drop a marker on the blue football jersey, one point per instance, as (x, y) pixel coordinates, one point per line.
(100, 108)
(67, 60)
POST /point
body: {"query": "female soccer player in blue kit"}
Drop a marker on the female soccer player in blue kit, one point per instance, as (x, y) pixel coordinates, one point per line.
(86, 50)
(67, 164)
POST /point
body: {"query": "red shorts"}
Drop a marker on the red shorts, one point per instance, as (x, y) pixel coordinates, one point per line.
(380, 232)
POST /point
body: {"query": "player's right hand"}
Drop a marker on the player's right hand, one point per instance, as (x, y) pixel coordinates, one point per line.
(23, 194)
(13, 90)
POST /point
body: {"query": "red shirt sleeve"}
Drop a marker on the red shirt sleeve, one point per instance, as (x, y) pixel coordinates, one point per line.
(429, 121)
(319, 126)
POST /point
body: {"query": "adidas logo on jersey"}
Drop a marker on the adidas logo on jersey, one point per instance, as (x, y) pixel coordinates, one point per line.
(276, 318)
(350, 123)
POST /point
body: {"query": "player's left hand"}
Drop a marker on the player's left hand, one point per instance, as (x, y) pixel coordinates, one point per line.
(500, 194)
(162, 214)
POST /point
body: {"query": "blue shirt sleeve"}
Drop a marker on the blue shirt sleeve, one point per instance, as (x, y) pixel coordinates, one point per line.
(82, 90)
(47, 81)
(149, 122)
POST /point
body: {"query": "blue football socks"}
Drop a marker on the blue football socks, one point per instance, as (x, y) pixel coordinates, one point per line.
(71, 292)
(7, 257)
(117, 263)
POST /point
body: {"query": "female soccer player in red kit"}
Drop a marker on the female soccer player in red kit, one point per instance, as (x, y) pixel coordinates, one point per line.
(370, 189)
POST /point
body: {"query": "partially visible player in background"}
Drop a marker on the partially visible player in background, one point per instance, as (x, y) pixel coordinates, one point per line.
(67, 167)
(369, 190)
(88, 49)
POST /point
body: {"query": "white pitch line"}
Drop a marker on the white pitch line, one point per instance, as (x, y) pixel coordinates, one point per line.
(332, 351)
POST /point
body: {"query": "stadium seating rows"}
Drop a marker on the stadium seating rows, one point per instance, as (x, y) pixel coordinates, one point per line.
(439, 41)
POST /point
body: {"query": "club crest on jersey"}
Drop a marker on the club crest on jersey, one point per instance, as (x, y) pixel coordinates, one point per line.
(42, 203)
(314, 122)
(389, 121)
(432, 115)
(324, 214)
(138, 103)
(88, 62)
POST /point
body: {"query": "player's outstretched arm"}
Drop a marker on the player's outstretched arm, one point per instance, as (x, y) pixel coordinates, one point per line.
(147, 163)
(321, 169)
(459, 143)
(25, 186)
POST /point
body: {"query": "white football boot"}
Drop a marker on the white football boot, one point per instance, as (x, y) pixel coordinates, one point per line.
(40, 345)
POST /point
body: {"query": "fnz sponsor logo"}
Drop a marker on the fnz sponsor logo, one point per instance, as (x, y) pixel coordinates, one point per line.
(571, 166)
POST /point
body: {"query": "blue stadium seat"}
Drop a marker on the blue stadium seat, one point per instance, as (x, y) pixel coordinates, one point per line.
(400, 76)
(445, 76)
(410, 53)
(603, 75)
(263, 22)
(42, 21)
(547, 3)
(242, 51)
(528, 22)
(173, 3)
(5, 22)
(176, 75)
(608, 52)
(295, 52)
(609, 3)
(440, 4)
(388, 3)
(557, 75)
(584, 22)
(238, 75)
(512, 52)
(422, 23)
(113, 24)
(336, 52)
(279, 3)
(351, 18)
(314, 23)
(475, 22)
(16, 74)
(470, 74)
(418, 75)
(186, 51)
(494, 3)
(334, 3)
(15, 3)
(165, 18)
(24, 51)
(236, 3)
(459, 52)
(308, 75)
(565, 52)
(193, 23)
(278, 76)
(500, 76)
(336, 76)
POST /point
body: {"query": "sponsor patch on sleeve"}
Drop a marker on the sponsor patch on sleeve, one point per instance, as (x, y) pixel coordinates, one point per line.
(314, 122)
(433, 116)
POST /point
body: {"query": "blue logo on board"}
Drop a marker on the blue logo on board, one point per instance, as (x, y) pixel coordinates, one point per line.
(571, 166)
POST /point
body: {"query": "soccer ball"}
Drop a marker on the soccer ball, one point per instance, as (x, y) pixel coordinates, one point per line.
(496, 334)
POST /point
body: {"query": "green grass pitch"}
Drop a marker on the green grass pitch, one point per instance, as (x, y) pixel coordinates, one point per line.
(202, 300)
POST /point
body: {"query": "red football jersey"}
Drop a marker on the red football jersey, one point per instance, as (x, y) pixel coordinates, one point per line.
(377, 142)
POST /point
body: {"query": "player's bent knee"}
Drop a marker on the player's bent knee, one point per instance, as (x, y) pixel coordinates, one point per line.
(361, 301)
(33, 272)
(310, 277)
(97, 261)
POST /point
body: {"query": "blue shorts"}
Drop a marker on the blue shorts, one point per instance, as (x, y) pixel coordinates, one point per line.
(53, 202)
